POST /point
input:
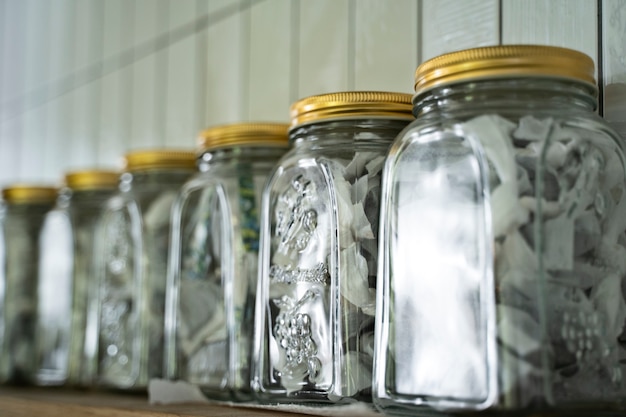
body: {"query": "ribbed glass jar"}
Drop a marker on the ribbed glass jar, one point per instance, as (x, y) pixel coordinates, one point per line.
(503, 253)
(23, 212)
(133, 244)
(85, 194)
(214, 259)
(319, 225)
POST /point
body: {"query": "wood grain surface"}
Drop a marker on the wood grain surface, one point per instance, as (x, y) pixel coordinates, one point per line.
(29, 402)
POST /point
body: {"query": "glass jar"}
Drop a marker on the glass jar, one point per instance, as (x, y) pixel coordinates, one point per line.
(23, 213)
(54, 296)
(316, 294)
(214, 259)
(503, 252)
(133, 242)
(83, 198)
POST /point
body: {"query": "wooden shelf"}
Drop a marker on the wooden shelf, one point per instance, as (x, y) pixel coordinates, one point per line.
(61, 402)
(58, 402)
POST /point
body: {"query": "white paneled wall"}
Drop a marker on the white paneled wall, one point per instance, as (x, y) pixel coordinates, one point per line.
(534, 21)
(614, 40)
(613, 36)
(450, 25)
(271, 74)
(83, 81)
(386, 49)
(324, 51)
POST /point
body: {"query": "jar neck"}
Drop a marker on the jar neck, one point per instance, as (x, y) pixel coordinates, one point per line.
(88, 197)
(241, 155)
(357, 132)
(153, 180)
(31, 209)
(27, 216)
(504, 95)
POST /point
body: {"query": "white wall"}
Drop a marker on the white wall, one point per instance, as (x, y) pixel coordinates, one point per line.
(83, 81)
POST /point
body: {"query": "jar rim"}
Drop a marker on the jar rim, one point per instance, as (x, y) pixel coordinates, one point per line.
(159, 159)
(244, 134)
(92, 179)
(29, 193)
(505, 61)
(351, 105)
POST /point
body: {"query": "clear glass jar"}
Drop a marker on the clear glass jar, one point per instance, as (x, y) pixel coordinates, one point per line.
(23, 213)
(54, 296)
(83, 198)
(316, 294)
(503, 253)
(133, 242)
(214, 259)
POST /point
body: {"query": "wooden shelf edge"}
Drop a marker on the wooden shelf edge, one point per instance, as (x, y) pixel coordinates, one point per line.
(56, 402)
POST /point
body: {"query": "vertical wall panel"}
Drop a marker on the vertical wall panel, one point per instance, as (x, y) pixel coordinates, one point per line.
(201, 41)
(244, 56)
(180, 131)
(37, 47)
(160, 104)
(568, 23)
(223, 66)
(323, 60)
(86, 113)
(386, 45)
(270, 46)
(80, 110)
(614, 63)
(614, 36)
(33, 132)
(9, 151)
(12, 37)
(7, 146)
(450, 25)
(60, 108)
(144, 74)
(60, 38)
(3, 13)
(115, 97)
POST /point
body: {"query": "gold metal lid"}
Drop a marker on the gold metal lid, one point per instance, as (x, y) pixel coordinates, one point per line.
(92, 179)
(240, 134)
(504, 61)
(351, 104)
(24, 194)
(159, 159)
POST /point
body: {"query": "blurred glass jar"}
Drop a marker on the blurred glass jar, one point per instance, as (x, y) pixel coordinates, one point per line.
(23, 213)
(54, 302)
(316, 294)
(133, 248)
(83, 198)
(503, 253)
(214, 259)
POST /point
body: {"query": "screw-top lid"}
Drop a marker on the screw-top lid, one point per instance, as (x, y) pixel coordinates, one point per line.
(92, 179)
(25, 194)
(351, 104)
(244, 134)
(505, 61)
(159, 159)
